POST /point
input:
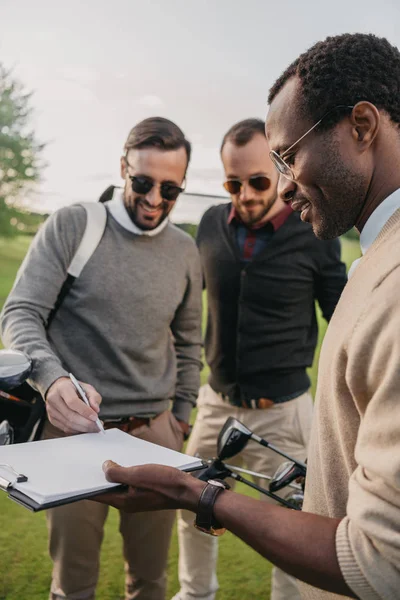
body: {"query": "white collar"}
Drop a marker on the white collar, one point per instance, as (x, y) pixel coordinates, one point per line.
(375, 223)
(378, 219)
(117, 209)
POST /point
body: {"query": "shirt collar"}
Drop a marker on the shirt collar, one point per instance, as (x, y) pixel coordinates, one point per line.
(277, 221)
(378, 219)
(117, 208)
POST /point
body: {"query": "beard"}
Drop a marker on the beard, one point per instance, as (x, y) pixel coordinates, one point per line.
(133, 206)
(339, 210)
(248, 218)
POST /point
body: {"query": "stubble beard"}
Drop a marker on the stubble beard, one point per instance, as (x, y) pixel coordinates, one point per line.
(339, 211)
(259, 217)
(132, 210)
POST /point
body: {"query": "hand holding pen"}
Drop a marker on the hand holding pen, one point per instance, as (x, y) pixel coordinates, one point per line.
(82, 394)
(67, 411)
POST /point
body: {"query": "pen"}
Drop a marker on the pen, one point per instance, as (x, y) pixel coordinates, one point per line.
(82, 394)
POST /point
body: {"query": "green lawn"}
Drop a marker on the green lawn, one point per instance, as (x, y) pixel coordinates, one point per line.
(24, 564)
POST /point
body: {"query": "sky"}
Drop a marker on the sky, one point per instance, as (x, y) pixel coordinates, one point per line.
(97, 68)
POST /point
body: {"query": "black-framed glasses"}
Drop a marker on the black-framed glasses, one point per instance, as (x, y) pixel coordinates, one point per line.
(280, 162)
(259, 182)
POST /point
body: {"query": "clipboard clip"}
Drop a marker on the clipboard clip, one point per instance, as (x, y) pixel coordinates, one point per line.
(6, 484)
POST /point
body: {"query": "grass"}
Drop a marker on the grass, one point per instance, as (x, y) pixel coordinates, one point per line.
(25, 568)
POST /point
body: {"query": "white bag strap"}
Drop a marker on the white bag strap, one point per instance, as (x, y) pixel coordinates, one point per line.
(96, 219)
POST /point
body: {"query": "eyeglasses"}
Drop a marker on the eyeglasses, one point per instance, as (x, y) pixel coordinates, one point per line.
(259, 183)
(281, 164)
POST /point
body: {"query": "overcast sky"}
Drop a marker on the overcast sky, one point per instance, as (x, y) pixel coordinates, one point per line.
(98, 67)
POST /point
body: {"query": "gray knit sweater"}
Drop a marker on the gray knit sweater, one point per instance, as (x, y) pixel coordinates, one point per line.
(130, 325)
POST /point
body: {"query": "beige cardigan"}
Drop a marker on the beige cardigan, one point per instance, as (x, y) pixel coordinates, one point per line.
(354, 456)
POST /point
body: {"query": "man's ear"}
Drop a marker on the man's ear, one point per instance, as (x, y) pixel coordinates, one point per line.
(123, 167)
(365, 119)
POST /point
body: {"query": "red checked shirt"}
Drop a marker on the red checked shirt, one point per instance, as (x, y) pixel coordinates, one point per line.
(252, 240)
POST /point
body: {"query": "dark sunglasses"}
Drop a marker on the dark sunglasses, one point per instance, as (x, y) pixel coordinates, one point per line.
(259, 183)
(142, 185)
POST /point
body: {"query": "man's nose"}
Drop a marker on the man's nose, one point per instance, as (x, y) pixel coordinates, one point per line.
(286, 188)
(246, 191)
(154, 197)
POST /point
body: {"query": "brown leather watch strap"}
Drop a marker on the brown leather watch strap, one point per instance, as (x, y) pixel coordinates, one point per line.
(205, 520)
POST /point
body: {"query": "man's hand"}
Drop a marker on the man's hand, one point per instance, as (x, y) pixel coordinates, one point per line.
(151, 487)
(300, 543)
(185, 428)
(67, 411)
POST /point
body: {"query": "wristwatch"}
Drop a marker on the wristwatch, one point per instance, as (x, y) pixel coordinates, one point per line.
(205, 520)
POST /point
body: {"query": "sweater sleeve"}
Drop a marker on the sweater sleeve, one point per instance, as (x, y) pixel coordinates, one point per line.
(186, 329)
(368, 538)
(331, 276)
(35, 291)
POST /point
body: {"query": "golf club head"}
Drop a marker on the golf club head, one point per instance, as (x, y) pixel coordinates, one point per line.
(285, 474)
(15, 367)
(6, 433)
(296, 499)
(232, 438)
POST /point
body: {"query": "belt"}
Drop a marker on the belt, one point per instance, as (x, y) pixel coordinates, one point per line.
(261, 403)
(253, 403)
(127, 424)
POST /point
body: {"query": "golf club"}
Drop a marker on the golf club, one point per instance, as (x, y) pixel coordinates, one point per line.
(234, 436)
(243, 471)
(218, 470)
(285, 474)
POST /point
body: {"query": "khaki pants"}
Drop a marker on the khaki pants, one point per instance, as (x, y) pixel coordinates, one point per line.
(76, 533)
(285, 425)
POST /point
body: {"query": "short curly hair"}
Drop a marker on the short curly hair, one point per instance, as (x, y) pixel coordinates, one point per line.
(343, 70)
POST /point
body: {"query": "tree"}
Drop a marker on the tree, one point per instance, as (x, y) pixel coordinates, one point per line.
(20, 152)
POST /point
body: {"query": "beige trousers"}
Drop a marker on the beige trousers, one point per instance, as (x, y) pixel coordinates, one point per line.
(76, 534)
(285, 425)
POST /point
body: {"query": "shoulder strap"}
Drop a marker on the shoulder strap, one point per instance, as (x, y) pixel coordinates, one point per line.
(96, 220)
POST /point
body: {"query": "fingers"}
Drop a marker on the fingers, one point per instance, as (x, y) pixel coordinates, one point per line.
(116, 499)
(70, 425)
(164, 481)
(73, 402)
(150, 477)
(93, 396)
(67, 411)
(152, 487)
(135, 500)
(117, 474)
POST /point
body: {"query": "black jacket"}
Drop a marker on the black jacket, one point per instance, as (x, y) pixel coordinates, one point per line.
(262, 327)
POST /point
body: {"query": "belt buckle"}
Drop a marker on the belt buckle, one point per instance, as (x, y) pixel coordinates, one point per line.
(264, 403)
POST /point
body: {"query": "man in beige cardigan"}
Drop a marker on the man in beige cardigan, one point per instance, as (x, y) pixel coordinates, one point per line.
(334, 133)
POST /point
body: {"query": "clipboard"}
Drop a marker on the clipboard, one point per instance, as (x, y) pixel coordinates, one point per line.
(49, 473)
(7, 485)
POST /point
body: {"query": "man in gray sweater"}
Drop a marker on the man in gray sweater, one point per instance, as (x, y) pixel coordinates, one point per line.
(130, 330)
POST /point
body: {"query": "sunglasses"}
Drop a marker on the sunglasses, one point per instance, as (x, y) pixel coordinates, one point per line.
(141, 184)
(259, 183)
